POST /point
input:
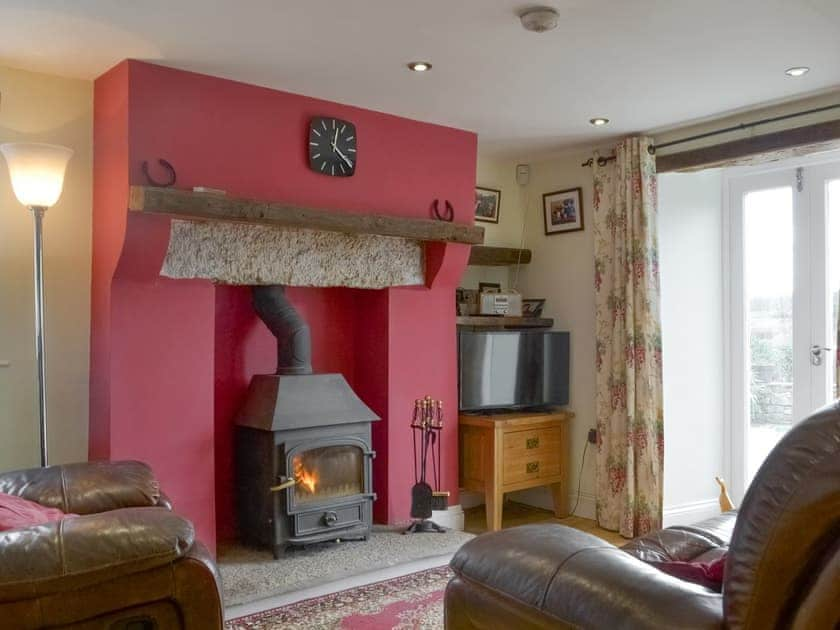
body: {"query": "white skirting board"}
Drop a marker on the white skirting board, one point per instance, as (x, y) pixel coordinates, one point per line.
(680, 514)
(451, 518)
(690, 513)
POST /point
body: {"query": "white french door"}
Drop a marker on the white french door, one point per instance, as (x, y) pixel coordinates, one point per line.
(784, 282)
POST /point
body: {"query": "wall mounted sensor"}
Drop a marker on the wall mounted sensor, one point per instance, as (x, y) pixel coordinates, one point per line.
(523, 174)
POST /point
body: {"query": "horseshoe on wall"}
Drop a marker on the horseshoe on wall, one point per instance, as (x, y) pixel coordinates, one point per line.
(166, 165)
(448, 214)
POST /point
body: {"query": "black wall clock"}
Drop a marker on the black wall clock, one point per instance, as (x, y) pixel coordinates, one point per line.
(332, 146)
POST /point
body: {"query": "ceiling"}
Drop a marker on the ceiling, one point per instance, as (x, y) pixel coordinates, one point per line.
(645, 64)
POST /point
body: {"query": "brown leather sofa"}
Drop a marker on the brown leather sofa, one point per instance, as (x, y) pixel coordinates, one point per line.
(126, 563)
(782, 568)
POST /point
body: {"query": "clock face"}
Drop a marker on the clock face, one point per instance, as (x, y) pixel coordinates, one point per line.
(332, 147)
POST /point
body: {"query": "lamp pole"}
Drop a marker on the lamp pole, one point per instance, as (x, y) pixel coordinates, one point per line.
(37, 174)
(40, 349)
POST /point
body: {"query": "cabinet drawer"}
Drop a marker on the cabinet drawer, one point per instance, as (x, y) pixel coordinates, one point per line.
(525, 467)
(531, 442)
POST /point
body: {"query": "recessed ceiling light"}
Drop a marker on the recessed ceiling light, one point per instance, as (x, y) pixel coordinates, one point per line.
(420, 66)
(599, 122)
(798, 71)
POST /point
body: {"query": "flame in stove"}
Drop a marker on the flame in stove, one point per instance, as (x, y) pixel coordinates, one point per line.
(305, 478)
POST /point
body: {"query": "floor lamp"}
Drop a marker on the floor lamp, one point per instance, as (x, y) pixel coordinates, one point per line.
(37, 172)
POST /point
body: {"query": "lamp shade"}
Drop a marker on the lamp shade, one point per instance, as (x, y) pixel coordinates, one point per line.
(37, 171)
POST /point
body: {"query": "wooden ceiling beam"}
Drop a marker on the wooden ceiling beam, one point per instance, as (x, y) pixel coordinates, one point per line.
(777, 145)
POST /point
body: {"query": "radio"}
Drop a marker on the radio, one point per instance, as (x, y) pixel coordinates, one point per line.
(501, 303)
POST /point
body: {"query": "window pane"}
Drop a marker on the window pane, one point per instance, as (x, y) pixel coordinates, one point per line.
(768, 285)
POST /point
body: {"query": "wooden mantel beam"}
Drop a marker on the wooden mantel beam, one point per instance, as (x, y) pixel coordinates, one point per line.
(197, 206)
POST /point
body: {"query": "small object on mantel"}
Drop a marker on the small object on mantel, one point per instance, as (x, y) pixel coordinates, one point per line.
(209, 191)
(171, 177)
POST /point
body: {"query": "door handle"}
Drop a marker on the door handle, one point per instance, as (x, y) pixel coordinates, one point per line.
(817, 354)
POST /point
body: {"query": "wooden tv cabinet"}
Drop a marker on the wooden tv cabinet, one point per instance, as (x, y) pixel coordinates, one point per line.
(513, 451)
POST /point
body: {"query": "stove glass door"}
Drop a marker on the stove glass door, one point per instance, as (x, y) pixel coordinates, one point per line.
(328, 473)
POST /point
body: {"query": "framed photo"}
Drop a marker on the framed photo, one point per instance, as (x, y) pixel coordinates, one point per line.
(487, 203)
(489, 287)
(563, 211)
(532, 307)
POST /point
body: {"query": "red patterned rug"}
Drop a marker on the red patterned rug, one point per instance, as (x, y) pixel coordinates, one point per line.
(410, 602)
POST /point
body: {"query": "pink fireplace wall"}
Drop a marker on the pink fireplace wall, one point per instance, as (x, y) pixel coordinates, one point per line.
(171, 359)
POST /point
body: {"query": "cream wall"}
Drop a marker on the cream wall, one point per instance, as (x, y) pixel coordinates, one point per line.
(561, 272)
(501, 175)
(42, 108)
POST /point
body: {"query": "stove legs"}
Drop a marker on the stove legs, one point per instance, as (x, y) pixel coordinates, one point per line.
(279, 551)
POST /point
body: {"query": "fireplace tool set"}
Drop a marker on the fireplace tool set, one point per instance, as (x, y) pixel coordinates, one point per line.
(426, 426)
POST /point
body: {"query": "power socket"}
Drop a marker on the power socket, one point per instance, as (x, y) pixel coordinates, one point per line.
(592, 437)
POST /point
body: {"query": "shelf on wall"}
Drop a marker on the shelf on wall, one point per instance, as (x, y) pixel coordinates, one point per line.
(497, 321)
(485, 255)
(203, 206)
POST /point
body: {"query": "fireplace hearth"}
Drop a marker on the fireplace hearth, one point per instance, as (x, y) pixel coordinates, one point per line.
(303, 445)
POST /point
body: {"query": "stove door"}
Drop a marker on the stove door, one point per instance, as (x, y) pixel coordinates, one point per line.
(328, 473)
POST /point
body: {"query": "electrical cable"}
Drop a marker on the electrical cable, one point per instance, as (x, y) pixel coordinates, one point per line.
(580, 477)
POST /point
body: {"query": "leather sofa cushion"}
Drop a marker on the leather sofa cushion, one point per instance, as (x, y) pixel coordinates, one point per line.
(704, 542)
(85, 488)
(521, 561)
(77, 552)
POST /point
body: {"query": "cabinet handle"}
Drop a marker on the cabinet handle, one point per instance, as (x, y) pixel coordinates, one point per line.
(532, 467)
(532, 443)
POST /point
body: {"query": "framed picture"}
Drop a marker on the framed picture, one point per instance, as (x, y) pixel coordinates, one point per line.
(563, 211)
(487, 202)
(489, 287)
(532, 307)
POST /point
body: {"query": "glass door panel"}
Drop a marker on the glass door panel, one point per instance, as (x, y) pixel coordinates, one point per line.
(832, 218)
(783, 303)
(768, 296)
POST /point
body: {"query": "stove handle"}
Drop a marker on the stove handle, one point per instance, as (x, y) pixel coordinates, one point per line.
(284, 483)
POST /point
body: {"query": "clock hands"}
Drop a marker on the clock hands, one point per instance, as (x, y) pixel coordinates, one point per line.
(342, 156)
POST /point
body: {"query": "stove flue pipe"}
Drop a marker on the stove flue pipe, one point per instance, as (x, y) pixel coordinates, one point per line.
(294, 348)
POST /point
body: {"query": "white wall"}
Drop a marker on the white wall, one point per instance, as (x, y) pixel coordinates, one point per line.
(42, 108)
(690, 249)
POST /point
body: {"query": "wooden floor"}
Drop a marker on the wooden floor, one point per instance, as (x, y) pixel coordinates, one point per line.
(515, 514)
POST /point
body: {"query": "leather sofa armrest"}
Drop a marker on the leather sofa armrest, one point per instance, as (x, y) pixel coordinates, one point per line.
(86, 488)
(77, 552)
(575, 579)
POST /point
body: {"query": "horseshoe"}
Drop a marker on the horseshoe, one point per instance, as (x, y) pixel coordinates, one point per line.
(166, 165)
(448, 214)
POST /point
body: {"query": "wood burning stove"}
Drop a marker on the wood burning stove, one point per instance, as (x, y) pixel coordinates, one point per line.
(303, 448)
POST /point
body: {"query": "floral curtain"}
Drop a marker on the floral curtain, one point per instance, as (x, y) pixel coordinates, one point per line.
(628, 358)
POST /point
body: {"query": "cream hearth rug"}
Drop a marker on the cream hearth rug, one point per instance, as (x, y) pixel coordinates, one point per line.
(250, 574)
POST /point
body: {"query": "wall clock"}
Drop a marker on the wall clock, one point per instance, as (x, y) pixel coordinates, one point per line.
(332, 146)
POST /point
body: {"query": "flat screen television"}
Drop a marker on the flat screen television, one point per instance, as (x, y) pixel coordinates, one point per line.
(512, 369)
